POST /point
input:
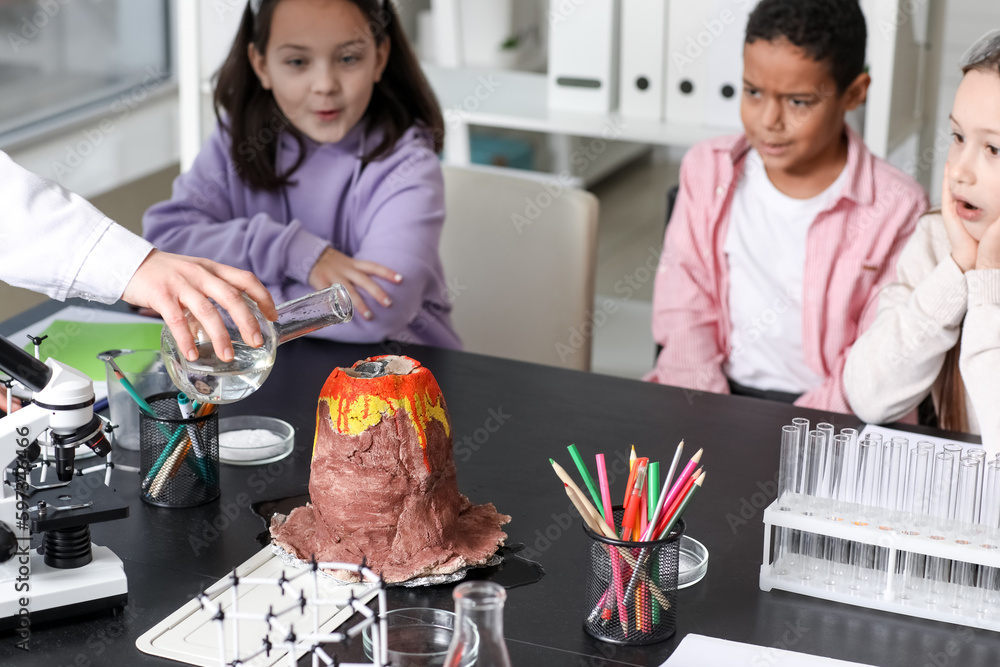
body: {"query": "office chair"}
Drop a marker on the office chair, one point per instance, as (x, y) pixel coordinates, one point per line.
(519, 255)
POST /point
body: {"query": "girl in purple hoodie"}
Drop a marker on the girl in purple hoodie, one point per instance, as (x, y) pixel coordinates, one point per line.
(323, 169)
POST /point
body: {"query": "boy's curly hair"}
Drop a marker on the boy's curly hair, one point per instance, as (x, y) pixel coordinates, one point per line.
(828, 30)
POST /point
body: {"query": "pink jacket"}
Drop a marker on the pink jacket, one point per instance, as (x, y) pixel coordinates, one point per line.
(851, 252)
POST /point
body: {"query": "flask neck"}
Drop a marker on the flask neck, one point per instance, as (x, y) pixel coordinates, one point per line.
(312, 312)
(482, 603)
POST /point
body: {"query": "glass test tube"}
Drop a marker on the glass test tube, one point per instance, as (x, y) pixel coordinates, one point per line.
(988, 579)
(917, 493)
(979, 455)
(891, 485)
(784, 557)
(869, 470)
(990, 516)
(963, 573)
(916, 503)
(892, 482)
(957, 451)
(851, 467)
(866, 495)
(815, 491)
(937, 568)
(837, 551)
(802, 424)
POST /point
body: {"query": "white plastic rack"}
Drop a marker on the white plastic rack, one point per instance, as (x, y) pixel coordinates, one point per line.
(893, 577)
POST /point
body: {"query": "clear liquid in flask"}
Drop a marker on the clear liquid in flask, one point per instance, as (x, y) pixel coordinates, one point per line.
(211, 380)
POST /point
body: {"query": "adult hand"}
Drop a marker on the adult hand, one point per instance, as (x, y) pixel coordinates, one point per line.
(355, 275)
(964, 248)
(988, 256)
(169, 284)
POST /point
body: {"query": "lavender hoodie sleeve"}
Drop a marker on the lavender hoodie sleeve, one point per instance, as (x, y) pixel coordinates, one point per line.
(398, 213)
(208, 216)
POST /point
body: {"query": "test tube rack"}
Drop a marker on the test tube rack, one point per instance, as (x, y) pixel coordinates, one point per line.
(889, 588)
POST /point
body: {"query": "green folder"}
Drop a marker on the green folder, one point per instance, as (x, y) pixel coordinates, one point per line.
(77, 344)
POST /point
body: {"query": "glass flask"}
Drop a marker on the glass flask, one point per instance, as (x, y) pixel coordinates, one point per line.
(482, 603)
(211, 380)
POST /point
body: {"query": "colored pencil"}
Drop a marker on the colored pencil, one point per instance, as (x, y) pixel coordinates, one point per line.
(602, 478)
(684, 505)
(653, 486)
(585, 474)
(666, 485)
(670, 511)
(634, 499)
(637, 572)
(127, 386)
(652, 501)
(617, 579)
(629, 483)
(682, 479)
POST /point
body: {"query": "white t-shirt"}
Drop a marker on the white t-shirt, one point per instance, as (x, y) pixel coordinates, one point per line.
(766, 249)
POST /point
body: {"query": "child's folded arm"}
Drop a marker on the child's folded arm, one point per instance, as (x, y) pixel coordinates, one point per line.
(980, 357)
(399, 227)
(895, 362)
(199, 220)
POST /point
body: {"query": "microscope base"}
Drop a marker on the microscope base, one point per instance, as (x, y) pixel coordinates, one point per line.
(53, 594)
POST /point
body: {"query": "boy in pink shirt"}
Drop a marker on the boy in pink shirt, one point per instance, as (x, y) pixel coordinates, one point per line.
(782, 236)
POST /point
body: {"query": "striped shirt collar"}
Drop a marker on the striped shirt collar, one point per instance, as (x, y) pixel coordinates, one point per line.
(860, 186)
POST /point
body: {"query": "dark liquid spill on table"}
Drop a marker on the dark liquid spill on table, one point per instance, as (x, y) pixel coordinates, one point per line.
(514, 571)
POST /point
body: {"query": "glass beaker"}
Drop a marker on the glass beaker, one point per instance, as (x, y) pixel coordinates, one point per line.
(211, 380)
(145, 370)
(482, 603)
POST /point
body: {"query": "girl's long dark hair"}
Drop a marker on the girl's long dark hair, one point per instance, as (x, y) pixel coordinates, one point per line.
(254, 122)
(952, 412)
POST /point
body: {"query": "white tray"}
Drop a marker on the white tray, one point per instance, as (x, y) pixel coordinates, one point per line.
(190, 635)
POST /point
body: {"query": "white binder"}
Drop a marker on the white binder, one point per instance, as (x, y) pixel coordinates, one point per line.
(643, 59)
(583, 55)
(705, 61)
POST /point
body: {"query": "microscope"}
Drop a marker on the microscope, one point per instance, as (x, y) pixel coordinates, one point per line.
(67, 574)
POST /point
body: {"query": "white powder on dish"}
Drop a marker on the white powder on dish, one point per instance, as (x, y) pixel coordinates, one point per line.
(250, 444)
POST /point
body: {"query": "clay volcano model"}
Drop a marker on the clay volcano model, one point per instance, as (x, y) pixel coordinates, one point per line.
(382, 484)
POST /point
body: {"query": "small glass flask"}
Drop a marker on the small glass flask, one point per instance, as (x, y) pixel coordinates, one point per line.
(482, 603)
(211, 380)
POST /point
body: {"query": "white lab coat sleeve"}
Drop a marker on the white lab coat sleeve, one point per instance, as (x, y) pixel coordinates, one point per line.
(55, 242)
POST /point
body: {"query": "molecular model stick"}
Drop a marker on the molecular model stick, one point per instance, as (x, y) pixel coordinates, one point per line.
(286, 635)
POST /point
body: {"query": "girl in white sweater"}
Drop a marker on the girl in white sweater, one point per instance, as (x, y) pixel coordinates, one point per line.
(938, 327)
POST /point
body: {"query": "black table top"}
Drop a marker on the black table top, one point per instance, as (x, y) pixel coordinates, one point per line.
(172, 554)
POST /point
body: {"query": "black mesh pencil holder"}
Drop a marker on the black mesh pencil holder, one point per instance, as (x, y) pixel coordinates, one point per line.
(632, 587)
(179, 458)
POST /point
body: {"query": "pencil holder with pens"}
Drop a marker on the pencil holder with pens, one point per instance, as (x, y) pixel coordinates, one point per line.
(632, 587)
(179, 458)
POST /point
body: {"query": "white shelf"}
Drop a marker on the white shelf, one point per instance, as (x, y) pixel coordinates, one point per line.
(519, 100)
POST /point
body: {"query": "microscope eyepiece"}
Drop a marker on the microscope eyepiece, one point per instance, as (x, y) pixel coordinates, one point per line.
(23, 367)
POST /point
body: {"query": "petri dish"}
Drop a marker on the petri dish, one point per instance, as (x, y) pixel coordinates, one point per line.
(420, 636)
(249, 440)
(693, 562)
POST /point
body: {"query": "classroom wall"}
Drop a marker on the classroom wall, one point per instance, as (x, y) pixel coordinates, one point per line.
(965, 22)
(124, 205)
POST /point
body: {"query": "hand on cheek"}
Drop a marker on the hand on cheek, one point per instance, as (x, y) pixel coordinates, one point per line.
(964, 248)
